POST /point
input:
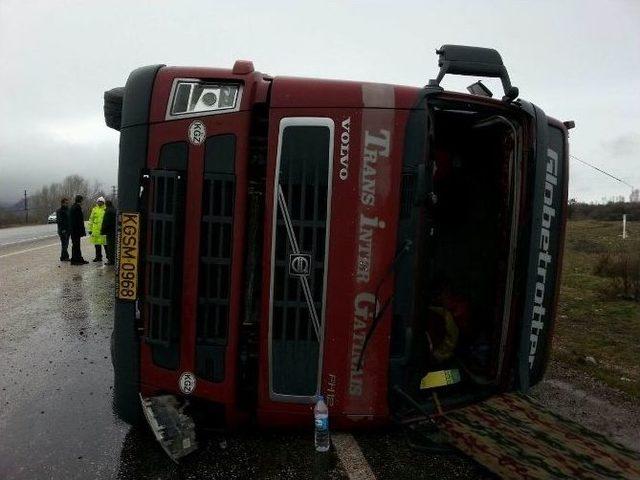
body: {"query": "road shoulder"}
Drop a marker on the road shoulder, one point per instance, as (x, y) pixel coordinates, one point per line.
(591, 403)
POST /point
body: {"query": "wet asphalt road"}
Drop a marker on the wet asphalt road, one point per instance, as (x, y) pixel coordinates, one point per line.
(56, 383)
(14, 235)
(55, 322)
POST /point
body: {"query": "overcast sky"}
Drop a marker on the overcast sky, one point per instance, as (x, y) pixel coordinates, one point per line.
(577, 60)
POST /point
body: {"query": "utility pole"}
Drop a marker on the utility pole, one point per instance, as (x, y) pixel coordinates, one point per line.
(114, 196)
(26, 209)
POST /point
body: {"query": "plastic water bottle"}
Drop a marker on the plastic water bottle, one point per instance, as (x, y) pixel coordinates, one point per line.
(321, 416)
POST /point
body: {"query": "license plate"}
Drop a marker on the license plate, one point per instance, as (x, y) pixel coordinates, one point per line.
(128, 256)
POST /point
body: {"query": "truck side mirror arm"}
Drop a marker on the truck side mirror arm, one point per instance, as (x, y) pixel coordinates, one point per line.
(473, 61)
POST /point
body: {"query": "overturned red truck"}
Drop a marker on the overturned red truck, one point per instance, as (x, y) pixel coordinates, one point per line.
(283, 237)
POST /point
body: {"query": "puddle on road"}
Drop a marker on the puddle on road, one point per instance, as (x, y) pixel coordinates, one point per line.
(57, 378)
(57, 391)
(56, 399)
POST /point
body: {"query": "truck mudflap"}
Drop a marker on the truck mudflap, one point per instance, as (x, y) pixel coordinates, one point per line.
(516, 437)
(171, 426)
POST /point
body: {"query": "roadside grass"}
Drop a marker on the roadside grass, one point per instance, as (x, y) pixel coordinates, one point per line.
(592, 320)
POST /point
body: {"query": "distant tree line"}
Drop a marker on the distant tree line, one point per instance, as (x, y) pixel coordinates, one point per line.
(607, 211)
(43, 202)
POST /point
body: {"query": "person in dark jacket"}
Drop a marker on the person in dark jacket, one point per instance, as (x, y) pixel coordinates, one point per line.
(109, 229)
(76, 221)
(62, 219)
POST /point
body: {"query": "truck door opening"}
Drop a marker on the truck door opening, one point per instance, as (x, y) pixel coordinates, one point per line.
(465, 262)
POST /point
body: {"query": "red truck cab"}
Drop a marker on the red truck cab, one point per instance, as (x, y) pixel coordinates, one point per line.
(283, 237)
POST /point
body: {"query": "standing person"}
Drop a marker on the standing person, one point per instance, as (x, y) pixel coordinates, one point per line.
(77, 231)
(62, 219)
(109, 229)
(95, 227)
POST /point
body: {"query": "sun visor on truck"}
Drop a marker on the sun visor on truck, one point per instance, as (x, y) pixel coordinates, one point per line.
(113, 107)
(129, 105)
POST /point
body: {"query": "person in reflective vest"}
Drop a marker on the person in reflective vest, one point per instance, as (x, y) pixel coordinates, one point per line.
(95, 228)
(109, 230)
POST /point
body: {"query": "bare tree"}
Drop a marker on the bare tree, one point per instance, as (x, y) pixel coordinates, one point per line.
(47, 199)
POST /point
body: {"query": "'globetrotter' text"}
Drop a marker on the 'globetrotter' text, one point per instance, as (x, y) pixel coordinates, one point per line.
(544, 256)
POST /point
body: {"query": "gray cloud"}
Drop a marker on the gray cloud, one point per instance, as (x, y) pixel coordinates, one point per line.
(627, 145)
(573, 58)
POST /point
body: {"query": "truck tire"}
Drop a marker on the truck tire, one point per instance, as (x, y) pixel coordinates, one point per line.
(113, 107)
(125, 402)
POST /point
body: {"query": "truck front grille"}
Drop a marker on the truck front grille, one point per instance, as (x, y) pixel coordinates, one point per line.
(216, 245)
(163, 266)
(215, 274)
(302, 203)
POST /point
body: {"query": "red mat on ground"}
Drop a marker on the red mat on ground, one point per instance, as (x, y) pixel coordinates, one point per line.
(515, 437)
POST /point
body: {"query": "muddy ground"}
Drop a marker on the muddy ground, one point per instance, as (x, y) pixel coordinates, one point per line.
(591, 403)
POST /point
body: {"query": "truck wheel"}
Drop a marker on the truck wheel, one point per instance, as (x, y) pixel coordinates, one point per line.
(126, 402)
(113, 107)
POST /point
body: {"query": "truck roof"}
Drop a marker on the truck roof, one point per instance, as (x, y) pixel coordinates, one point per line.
(301, 92)
(296, 92)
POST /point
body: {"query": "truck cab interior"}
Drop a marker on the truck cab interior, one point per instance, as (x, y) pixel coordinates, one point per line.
(465, 256)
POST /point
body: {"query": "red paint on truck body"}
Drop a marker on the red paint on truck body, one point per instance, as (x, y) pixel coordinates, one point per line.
(364, 207)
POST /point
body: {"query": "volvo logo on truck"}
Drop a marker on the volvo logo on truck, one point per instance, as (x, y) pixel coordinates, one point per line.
(343, 171)
(299, 264)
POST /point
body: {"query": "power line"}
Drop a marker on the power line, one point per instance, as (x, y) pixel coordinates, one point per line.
(602, 171)
(26, 208)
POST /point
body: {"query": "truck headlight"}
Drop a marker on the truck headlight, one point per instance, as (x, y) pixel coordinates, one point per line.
(189, 97)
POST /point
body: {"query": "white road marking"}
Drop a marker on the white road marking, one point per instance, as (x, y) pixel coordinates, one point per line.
(351, 457)
(26, 240)
(28, 250)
